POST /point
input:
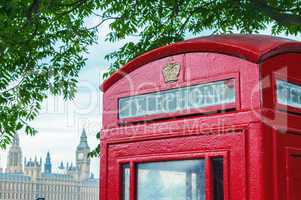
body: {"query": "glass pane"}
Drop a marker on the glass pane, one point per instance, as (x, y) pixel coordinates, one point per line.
(179, 99)
(218, 178)
(174, 180)
(126, 182)
(288, 94)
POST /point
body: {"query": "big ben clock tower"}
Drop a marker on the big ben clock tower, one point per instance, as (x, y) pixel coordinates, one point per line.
(82, 160)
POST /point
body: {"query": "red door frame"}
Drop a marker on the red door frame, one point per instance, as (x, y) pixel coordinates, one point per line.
(207, 156)
(229, 145)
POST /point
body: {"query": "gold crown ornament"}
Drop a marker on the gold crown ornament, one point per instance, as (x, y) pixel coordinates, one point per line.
(171, 71)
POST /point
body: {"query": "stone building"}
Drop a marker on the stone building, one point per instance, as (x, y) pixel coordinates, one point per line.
(14, 160)
(35, 180)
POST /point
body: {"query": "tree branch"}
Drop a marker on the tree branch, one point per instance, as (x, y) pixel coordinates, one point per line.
(33, 9)
(102, 21)
(74, 6)
(13, 87)
(182, 28)
(275, 14)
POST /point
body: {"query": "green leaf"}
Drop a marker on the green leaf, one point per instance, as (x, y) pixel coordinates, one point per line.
(42, 51)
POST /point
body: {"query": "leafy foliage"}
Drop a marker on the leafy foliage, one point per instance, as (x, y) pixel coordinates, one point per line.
(42, 44)
(95, 152)
(161, 22)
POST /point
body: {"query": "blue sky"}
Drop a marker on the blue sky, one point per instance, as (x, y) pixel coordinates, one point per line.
(60, 123)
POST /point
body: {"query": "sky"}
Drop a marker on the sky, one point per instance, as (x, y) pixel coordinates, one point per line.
(60, 123)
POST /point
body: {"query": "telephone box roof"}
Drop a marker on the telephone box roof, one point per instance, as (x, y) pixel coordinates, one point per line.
(254, 48)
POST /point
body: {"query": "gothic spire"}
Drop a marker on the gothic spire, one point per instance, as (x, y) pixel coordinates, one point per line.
(61, 166)
(84, 135)
(48, 157)
(83, 141)
(48, 165)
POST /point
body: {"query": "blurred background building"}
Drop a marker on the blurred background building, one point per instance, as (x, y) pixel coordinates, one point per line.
(33, 179)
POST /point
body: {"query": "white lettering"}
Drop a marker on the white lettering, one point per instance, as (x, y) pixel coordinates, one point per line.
(181, 99)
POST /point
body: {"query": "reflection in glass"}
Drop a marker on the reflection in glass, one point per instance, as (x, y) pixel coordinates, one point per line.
(126, 182)
(218, 178)
(174, 180)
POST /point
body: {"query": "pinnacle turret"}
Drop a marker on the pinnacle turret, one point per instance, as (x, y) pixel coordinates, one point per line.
(48, 165)
(83, 141)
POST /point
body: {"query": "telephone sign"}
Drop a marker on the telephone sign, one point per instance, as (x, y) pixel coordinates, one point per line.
(288, 94)
(179, 99)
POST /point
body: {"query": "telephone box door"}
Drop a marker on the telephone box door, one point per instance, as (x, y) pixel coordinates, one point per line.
(201, 167)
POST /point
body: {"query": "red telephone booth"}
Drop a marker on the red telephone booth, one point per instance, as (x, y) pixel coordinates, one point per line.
(210, 118)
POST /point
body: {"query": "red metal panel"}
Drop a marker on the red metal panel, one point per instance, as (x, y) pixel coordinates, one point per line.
(218, 67)
(209, 65)
(213, 124)
(259, 162)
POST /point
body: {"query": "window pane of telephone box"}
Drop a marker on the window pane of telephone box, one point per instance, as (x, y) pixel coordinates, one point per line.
(174, 180)
(126, 182)
(218, 178)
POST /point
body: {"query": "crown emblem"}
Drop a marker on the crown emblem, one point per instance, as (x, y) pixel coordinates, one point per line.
(171, 71)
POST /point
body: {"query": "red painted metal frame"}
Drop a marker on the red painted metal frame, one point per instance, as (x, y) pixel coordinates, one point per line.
(208, 179)
(133, 180)
(207, 156)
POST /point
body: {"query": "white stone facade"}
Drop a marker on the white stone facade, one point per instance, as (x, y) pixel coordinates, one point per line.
(20, 187)
(30, 183)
